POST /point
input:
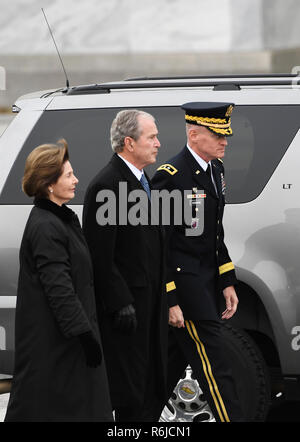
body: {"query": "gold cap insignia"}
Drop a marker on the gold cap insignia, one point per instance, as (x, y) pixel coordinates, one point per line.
(229, 111)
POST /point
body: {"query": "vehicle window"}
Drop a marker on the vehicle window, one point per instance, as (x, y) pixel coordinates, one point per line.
(252, 155)
(256, 148)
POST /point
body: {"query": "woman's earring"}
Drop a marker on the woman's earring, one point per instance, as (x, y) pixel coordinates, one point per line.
(51, 190)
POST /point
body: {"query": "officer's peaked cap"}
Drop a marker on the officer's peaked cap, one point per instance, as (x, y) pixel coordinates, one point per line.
(214, 116)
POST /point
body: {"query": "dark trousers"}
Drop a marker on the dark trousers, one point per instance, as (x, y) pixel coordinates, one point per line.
(153, 402)
(200, 345)
(150, 409)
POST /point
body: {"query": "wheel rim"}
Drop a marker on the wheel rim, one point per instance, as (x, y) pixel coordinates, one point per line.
(187, 402)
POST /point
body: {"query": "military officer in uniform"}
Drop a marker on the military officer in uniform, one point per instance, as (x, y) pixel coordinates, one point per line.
(200, 264)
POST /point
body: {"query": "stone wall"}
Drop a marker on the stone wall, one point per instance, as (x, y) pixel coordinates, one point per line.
(102, 40)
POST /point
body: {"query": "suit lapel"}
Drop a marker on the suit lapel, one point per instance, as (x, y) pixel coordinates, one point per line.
(131, 180)
(127, 175)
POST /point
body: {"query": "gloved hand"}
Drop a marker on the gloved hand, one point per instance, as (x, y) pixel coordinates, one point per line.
(124, 320)
(91, 348)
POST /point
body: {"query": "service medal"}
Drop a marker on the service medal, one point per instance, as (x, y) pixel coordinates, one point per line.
(194, 223)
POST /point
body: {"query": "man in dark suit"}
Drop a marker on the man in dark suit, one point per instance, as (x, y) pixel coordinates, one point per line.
(199, 261)
(128, 258)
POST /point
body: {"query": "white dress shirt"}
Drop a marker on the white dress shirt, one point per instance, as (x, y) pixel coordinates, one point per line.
(137, 172)
(203, 164)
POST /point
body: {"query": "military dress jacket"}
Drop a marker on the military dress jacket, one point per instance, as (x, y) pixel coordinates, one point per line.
(129, 268)
(199, 263)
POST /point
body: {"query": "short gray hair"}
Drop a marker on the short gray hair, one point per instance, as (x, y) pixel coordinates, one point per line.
(126, 124)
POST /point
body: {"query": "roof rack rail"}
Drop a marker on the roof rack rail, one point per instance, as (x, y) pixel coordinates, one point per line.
(223, 76)
(217, 83)
(87, 89)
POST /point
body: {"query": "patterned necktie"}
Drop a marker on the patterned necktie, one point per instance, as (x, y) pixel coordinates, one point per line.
(145, 184)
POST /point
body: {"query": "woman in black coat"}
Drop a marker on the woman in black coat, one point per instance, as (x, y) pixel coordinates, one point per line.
(59, 373)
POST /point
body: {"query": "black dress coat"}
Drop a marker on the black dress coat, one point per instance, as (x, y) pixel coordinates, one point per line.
(128, 267)
(200, 264)
(55, 304)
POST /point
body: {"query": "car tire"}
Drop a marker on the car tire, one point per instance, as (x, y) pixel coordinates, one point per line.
(250, 373)
(251, 376)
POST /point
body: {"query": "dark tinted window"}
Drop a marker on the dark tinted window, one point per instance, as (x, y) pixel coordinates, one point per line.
(262, 134)
(252, 156)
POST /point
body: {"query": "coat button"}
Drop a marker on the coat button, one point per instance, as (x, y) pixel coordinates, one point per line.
(178, 269)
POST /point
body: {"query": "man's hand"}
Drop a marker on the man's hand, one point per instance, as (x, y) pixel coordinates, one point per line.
(176, 318)
(124, 320)
(231, 302)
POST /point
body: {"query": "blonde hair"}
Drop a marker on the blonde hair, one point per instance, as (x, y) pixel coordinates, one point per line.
(43, 167)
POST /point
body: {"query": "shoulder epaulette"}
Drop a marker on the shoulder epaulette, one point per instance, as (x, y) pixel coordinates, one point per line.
(168, 168)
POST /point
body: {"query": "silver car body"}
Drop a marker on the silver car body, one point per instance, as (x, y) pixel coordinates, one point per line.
(263, 235)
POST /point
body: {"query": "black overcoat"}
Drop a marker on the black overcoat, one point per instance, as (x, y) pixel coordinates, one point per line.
(55, 304)
(128, 267)
(199, 264)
